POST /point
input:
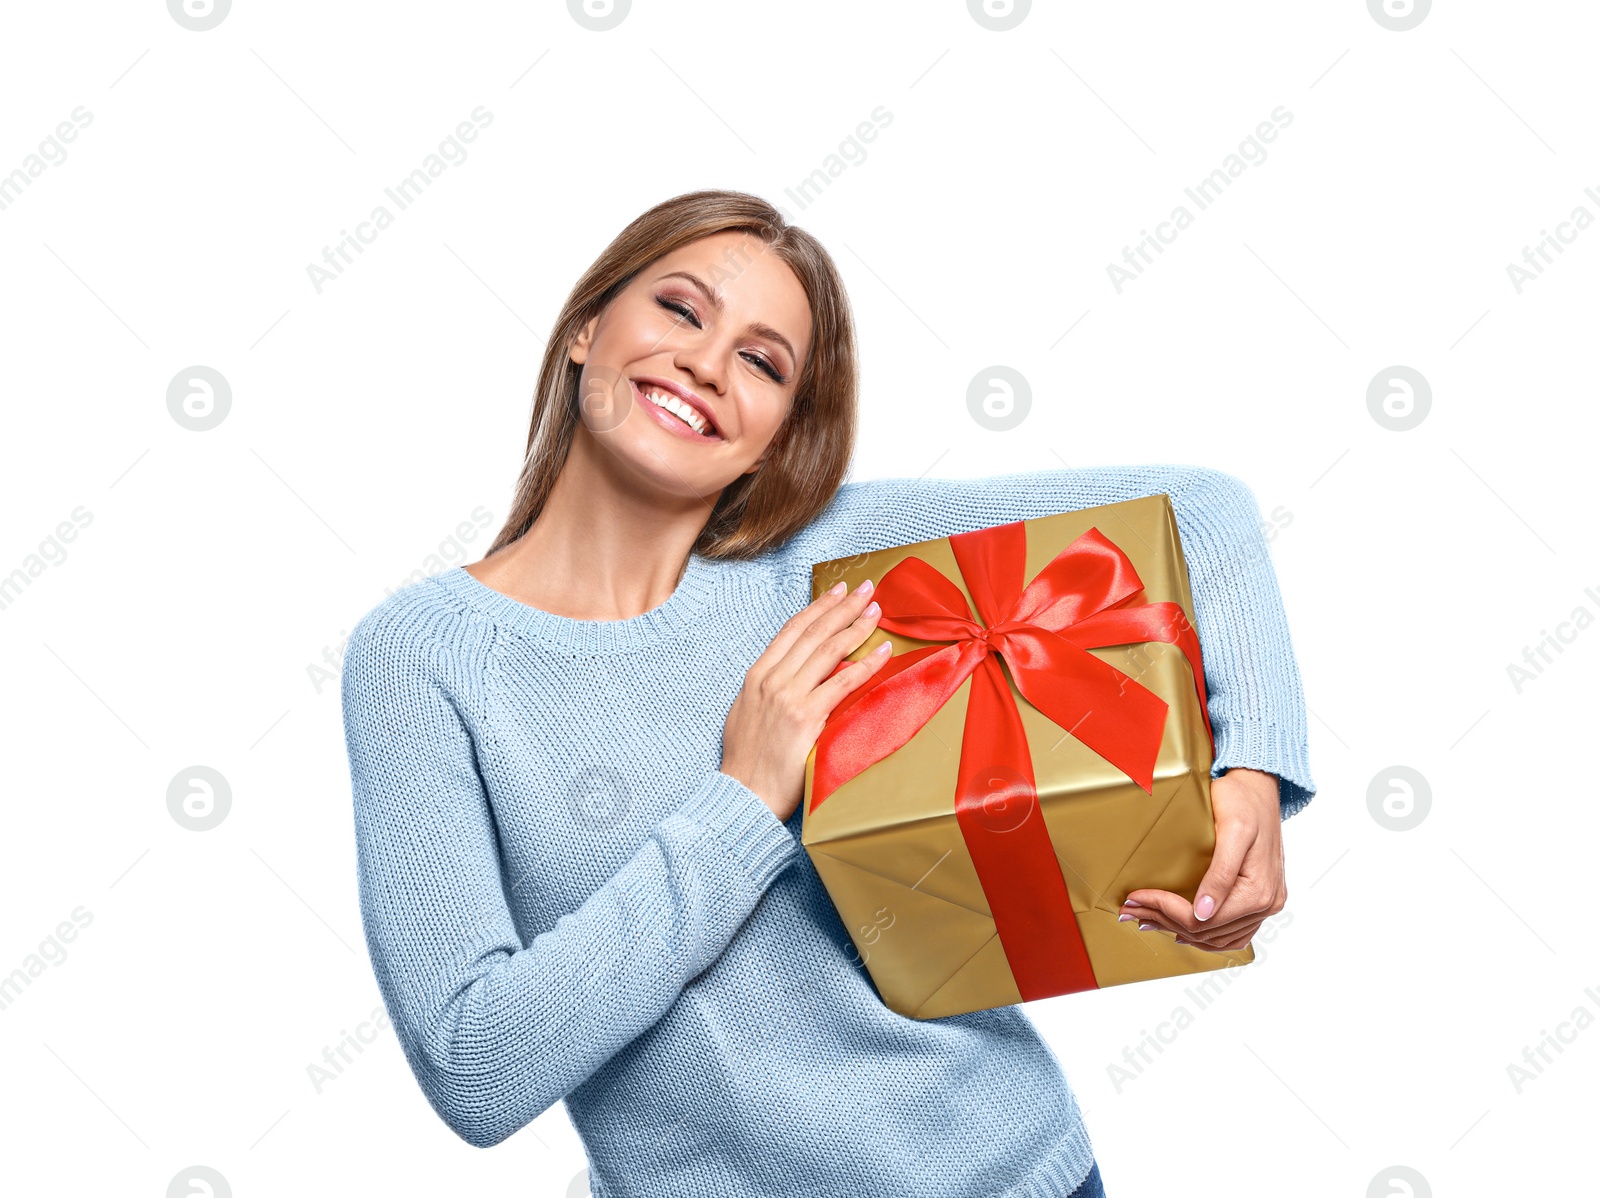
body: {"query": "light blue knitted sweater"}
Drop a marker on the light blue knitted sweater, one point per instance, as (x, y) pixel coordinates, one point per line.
(564, 899)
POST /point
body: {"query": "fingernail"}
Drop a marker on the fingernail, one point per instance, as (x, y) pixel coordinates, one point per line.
(1203, 908)
(837, 588)
(1145, 927)
(864, 587)
(1179, 940)
(1125, 918)
(882, 649)
(871, 609)
(1131, 903)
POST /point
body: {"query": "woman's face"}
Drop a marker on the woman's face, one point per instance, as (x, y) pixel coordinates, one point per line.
(720, 326)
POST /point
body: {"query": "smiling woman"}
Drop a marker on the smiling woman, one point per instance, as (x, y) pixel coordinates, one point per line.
(642, 325)
(577, 763)
(754, 407)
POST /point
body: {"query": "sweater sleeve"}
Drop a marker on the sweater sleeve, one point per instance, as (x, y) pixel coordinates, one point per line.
(496, 1030)
(1256, 704)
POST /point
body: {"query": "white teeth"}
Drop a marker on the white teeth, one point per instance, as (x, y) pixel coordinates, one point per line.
(685, 411)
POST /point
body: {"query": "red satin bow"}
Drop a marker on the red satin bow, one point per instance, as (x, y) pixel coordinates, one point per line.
(1084, 598)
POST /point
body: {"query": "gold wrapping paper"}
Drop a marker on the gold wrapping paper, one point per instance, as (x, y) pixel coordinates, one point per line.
(889, 849)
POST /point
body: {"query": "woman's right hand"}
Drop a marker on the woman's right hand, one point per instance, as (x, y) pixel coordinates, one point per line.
(788, 694)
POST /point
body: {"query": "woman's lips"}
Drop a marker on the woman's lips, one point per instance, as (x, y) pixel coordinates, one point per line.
(665, 418)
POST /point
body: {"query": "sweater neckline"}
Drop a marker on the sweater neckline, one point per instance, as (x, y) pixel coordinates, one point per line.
(678, 613)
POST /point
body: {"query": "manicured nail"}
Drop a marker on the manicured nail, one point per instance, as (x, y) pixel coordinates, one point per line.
(864, 587)
(1179, 940)
(882, 649)
(871, 609)
(1204, 908)
(837, 588)
(1145, 927)
(1131, 903)
(1125, 918)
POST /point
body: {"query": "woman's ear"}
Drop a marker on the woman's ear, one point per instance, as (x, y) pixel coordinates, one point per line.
(578, 349)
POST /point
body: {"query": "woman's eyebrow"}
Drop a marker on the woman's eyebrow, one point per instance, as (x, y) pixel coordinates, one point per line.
(715, 299)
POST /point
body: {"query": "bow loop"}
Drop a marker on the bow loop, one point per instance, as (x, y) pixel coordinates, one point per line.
(921, 603)
(1087, 577)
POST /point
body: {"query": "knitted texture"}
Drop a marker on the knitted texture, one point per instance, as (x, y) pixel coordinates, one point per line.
(564, 899)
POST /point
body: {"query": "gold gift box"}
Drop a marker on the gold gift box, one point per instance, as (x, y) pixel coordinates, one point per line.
(889, 849)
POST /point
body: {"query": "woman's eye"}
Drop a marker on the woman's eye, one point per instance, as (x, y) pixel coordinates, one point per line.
(767, 367)
(681, 309)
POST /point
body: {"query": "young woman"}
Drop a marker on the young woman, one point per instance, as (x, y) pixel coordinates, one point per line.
(577, 764)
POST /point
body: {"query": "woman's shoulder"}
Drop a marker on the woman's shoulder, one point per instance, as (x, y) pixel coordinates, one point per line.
(421, 624)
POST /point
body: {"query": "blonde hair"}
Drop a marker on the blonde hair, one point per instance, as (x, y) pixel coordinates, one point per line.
(810, 453)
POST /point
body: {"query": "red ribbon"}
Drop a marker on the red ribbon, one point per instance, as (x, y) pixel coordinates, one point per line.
(1086, 597)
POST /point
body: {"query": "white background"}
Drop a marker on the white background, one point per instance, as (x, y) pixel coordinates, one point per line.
(1410, 969)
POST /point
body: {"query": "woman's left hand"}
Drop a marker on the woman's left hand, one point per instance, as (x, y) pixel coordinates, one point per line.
(1245, 882)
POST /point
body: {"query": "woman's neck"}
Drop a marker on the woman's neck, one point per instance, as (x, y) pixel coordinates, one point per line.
(597, 550)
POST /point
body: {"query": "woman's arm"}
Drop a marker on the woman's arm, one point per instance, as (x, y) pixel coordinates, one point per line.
(496, 1031)
(1256, 704)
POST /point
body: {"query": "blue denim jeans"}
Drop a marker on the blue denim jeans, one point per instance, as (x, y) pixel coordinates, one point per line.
(1091, 1187)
